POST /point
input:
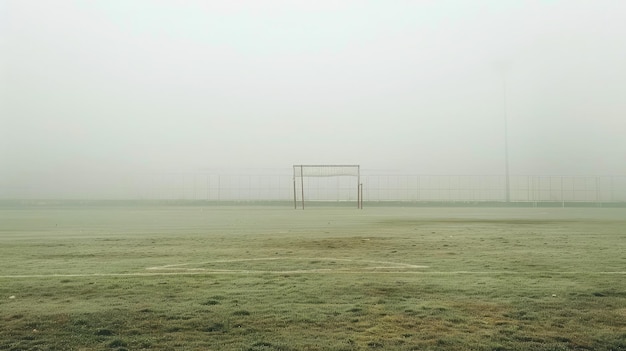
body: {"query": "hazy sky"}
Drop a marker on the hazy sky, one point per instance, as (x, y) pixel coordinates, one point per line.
(413, 86)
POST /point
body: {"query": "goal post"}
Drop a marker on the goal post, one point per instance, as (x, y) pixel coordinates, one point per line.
(352, 189)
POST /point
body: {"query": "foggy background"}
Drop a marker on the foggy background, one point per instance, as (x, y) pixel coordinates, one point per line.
(106, 94)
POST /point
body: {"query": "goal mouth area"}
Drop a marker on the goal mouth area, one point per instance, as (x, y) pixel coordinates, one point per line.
(300, 172)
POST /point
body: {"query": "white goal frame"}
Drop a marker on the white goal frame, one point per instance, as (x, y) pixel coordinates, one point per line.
(303, 171)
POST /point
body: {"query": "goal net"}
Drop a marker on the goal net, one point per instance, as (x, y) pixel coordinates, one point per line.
(326, 183)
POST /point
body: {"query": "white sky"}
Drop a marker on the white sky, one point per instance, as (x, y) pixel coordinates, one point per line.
(412, 86)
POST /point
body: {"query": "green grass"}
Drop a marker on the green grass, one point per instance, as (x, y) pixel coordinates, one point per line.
(273, 278)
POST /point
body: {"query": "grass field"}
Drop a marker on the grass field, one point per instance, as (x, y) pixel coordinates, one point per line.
(273, 278)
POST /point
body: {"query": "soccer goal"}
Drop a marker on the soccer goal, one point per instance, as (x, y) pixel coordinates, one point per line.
(327, 183)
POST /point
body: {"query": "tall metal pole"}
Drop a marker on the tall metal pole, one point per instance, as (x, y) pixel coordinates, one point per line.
(506, 138)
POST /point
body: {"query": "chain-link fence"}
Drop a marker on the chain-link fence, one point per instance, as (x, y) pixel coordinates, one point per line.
(376, 188)
(526, 188)
(408, 188)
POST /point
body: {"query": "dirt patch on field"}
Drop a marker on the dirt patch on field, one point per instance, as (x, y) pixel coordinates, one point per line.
(473, 222)
(356, 242)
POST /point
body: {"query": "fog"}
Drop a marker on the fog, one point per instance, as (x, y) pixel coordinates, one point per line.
(94, 88)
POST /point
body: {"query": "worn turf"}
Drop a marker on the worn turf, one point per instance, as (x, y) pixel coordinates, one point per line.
(273, 278)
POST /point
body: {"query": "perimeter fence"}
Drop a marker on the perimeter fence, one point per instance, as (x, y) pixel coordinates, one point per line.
(522, 188)
(389, 188)
(204, 186)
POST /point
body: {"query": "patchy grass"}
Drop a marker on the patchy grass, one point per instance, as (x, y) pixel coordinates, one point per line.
(323, 279)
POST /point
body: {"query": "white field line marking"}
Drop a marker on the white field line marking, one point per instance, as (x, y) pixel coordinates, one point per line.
(317, 271)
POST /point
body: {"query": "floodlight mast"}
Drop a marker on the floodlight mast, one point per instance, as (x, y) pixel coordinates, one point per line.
(506, 139)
